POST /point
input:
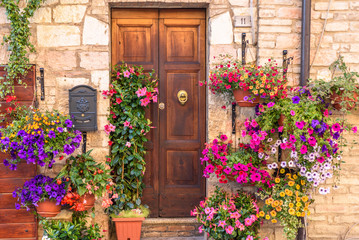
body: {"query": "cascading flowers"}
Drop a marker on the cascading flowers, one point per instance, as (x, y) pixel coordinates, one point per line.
(131, 91)
(228, 216)
(38, 138)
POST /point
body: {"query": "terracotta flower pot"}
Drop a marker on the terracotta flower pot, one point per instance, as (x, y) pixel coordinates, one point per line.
(240, 94)
(336, 99)
(281, 120)
(48, 208)
(128, 228)
(88, 200)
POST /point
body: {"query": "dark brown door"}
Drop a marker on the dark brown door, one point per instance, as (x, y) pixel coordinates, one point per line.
(16, 224)
(171, 41)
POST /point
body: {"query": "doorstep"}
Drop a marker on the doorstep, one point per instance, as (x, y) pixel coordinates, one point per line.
(171, 229)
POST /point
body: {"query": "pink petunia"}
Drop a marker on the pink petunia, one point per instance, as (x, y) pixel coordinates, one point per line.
(310, 131)
(128, 144)
(303, 149)
(221, 223)
(126, 124)
(355, 129)
(109, 128)
(292, 112)
(254, 123)
(145, 102)
(126, 74)
(280, 129)
(141, 92)
(336, 127)
(270, 104)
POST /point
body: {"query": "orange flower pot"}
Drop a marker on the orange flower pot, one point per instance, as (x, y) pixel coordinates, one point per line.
(128, 228)
(88, 201)
(240, 94)
(336, 99)
(48, 208)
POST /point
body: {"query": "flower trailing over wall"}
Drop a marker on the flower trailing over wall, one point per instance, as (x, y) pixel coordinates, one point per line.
(18, 41)
(228, 216)
(38, 138)
(131, 91)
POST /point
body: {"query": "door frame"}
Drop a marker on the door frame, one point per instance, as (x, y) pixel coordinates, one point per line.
(205, 6)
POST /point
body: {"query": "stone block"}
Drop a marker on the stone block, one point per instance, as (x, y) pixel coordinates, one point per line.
(42, 15)
(240, 3)
(100, 79)
(95, 32)
(275, 29)
(221, 29)
(94, 60)
(325, 57)
(69, 14)
(285, 41)
(337, 27)
(67, 83)
(350, 57)
(50, 2)
(322, 6)
(58, 36)
(61, 60)
(266, 13)
(3, 16)
(277, 2)
(277, 21)
(289, 12)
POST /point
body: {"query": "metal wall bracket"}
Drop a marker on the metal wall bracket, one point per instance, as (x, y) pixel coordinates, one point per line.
(42, 83)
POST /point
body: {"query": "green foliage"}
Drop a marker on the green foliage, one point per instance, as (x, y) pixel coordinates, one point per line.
(133, 213)
(74, 230)
(18, 41)
(344, 83)
(131, 90)
(87, 175)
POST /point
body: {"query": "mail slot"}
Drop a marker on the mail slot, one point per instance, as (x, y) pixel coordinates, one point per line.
(83, 108)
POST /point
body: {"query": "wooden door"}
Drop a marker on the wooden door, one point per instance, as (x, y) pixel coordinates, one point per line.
(171, 41)
(16, 224)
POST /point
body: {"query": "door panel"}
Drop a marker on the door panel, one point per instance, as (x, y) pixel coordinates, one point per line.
(182, 132)
(172, 42)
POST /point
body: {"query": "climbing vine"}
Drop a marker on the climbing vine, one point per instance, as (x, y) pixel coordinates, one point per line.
(18, 41)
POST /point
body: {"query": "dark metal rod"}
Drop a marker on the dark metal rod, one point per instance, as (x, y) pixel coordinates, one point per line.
(305, 41)
(42, 83)
(285, 63)
(244, 48)
(84, 141)
(234, 118)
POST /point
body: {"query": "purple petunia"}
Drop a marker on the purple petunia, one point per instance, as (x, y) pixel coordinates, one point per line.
(295, 99)
(60, 129)
(68, 123)
(52, 134)
(302, 137)
(314, 123)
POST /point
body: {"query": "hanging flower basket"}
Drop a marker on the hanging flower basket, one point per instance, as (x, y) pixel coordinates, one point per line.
(48, 208)
(241, 98)
(128, 228)
(336, 99)
(88, 201)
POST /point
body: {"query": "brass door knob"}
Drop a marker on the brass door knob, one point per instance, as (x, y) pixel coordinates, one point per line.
(161, 106)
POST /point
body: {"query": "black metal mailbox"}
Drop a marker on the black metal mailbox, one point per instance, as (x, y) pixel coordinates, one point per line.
(83, 108)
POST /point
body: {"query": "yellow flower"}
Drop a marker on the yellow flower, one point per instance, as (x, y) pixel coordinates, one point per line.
(297, 187)
(261, 91)
(278, 209)
(298, 204)
(271, 93)
(250, 87)
(305, 198)
(302, 182)
(308, 213)
(281, 202)
(262, 85)
(261, 213)
(297, 199)
(273, 213)
(245, 76)
(274, 220)
(299, 214)
(270, 200)
(282, 194)
(267, 217)
(291, 183)
(291, 205)
(276, 203)
(291, 211)
(295, 176)
(255, 92)
(282, 170)
(277, 180)
(275, 88)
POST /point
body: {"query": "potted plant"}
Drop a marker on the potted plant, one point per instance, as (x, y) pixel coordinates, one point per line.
(43, 193)
(129, 222)
(248, 83)
(342, 89)
(88, 180)
(38, 138)
(228, 216)
(131, 91)
(75, 229)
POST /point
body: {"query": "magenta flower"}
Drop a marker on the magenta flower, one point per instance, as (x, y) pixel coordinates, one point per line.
(229, 230)
(256, 177)
(312, 141)
(303, 149)
(320, 159)
(355, 129)
(280, 129)
(126, 74)
(223, 137)
(221, 223)
(254, 123)
(270, 104)
(292, 113)
(292, 138)
(336, 127)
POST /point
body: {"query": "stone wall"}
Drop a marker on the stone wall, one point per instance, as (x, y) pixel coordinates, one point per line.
(72, 38)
